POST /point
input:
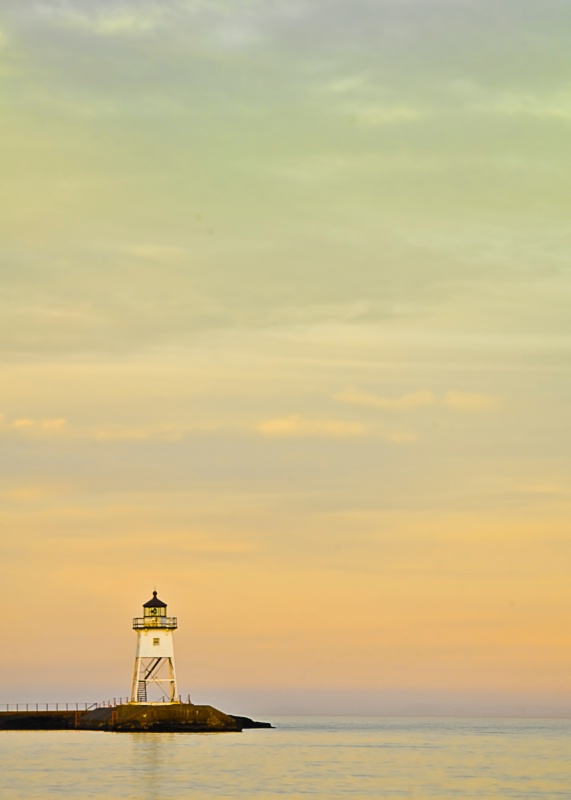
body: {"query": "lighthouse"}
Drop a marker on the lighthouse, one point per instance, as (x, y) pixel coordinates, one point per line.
(154, 678)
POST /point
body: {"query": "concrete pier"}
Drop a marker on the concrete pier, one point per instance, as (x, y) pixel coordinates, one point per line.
(134, 717)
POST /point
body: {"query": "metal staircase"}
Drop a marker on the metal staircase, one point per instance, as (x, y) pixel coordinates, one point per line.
(152, 667)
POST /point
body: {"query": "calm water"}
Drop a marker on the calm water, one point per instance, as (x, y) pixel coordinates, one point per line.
(319, 757)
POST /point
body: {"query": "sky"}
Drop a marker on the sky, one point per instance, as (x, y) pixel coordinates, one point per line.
(285, 333)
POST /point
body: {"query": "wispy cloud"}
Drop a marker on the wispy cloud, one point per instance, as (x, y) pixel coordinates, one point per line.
(297, 426)
(220, 25)
(124, 433)
(399, 436)
(405, 402)
(33, 426)
(156, 252)
(471, 401)
(521, 103)
(305, 427)
(373, 115)
(366, 99)
(457, 401)
(546, 489)
(28, 493)
(122, 19)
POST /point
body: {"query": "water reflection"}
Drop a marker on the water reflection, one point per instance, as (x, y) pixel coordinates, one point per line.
(150, 754)
(332, 759)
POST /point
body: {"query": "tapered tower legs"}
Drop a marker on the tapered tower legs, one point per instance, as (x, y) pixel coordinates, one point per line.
(154, 678)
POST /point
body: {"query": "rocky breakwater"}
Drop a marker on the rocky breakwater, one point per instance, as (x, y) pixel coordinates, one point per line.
(182, 717)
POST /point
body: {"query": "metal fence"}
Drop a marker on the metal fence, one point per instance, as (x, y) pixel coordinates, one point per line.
(32, 707)
(117, 701)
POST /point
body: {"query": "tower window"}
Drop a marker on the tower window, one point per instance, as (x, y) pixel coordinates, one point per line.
(156, 641)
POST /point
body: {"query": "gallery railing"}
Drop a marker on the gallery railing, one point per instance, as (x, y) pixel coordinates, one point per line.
(154, 622)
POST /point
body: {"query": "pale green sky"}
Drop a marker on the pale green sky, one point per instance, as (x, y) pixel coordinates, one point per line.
(285, 330)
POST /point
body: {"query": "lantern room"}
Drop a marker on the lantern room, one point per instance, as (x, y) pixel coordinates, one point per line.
(154, 615)
(155, 607)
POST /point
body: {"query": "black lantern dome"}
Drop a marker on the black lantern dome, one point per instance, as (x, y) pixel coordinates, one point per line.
(154, 602)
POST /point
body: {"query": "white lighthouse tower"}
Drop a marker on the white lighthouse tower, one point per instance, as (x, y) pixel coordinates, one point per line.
(154, 679)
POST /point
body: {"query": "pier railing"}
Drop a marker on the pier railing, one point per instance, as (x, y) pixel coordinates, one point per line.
(47, 706)
(30, 707)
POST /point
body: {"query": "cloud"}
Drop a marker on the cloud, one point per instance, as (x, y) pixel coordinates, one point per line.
(405, 402)
(400, 437)
(184, 542)
(119, 433)
(457, 401)
(27, 493)
(364, 98)
(157, 252)
(303, 427)
(38, 425)
(23, 423)
(225, 26)
(31, 426)
(547, 489)
(11, 61)
(349, 84)
(549, 105)
(236, 35)
(466, 401)
(383, 115)
(124, 20)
